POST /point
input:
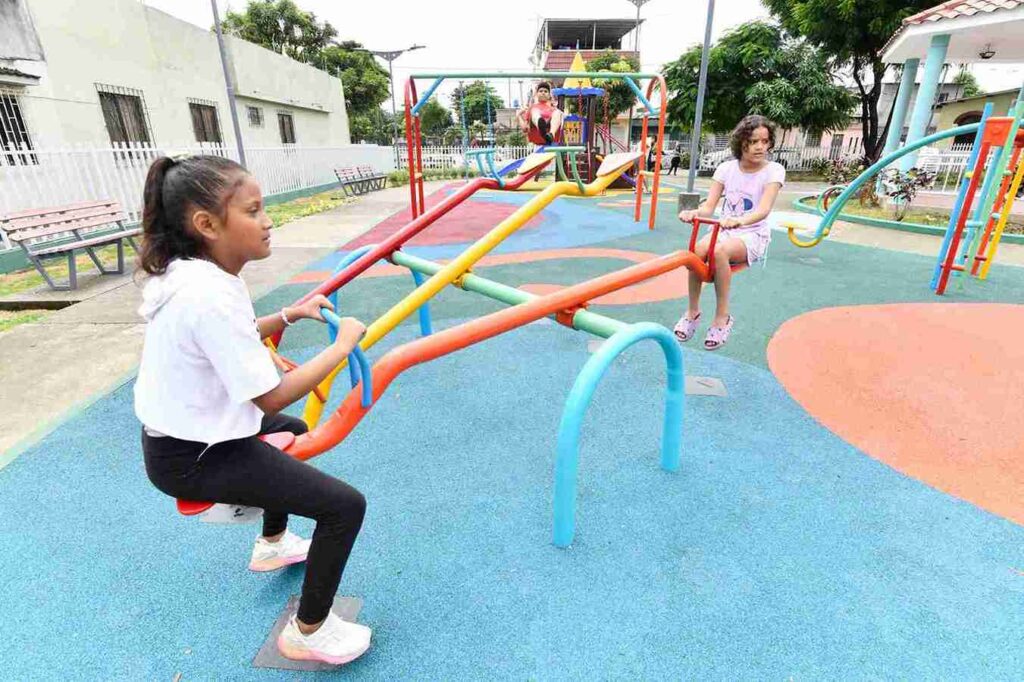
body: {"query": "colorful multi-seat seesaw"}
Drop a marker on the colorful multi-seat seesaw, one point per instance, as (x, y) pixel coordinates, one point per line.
(566, 306)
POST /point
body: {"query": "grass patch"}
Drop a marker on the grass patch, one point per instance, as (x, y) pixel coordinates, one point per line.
(10, 320)
(29, 278)
(300, 208)
(936, 217)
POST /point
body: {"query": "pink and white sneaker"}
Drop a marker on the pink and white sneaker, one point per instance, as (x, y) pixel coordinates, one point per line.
(270, 556)
(336, 642)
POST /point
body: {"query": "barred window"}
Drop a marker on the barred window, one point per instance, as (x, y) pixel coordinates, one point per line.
(205, 123)
(14, 137)
(255, 117)
(124, 112)
(287, 127)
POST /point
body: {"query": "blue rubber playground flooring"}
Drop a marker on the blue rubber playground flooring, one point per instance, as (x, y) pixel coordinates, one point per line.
(777, 551)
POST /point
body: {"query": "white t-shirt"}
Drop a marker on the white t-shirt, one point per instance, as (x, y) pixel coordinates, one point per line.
(743, 192)
(202, 361)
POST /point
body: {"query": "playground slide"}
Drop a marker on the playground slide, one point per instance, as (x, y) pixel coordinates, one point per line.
(351, 411)
(612, 167)
(395, 241)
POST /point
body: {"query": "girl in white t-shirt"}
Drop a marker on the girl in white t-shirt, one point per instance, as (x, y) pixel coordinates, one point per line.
(207, 388)
(749, 185)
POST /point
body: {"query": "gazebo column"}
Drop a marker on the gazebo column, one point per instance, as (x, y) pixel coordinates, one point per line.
(900, 106)
(926, 95)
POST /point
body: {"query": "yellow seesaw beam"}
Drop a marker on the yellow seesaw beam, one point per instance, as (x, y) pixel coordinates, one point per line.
(612, 167)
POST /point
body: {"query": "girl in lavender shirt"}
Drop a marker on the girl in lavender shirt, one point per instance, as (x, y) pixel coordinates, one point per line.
(749, 184)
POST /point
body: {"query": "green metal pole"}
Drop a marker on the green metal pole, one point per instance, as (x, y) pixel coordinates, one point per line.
(583, 320)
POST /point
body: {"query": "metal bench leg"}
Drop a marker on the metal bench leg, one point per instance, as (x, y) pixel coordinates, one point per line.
(72, 271)
(38, 263)
(131, 242)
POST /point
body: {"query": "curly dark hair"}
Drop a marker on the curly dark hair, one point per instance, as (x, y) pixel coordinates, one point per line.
(744, 131)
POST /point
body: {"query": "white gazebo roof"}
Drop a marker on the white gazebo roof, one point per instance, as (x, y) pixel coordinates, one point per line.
(974, 27)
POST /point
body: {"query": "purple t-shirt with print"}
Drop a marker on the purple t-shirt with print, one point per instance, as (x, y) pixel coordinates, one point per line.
(743, 191)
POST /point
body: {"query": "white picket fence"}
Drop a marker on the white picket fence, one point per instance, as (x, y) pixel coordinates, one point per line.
(39, 178)
(442, 158)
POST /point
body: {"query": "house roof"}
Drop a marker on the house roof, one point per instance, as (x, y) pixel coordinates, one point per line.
(960, 8)
(992, 27)
(567, 32)
(982, 96)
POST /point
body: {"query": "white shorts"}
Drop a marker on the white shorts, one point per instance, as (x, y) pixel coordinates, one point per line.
(756, 243)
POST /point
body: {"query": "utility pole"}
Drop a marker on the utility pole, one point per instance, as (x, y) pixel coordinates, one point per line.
(229, 81)
(390, 56)
(636, 30)
(701, 87)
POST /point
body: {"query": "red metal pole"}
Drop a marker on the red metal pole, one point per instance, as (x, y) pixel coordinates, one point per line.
(410, 140)
(972, 188)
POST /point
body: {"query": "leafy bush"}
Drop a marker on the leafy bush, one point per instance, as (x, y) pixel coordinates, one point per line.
(902, 187)
(400, 178)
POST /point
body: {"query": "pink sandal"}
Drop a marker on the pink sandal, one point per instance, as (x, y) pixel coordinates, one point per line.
(685, 328)
(717, 336)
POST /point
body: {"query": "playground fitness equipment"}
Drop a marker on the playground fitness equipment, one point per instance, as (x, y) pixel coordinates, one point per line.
(656, 86)
(998, 141)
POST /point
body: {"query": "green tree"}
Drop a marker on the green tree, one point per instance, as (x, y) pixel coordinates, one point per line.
(853, 34)
(373, 127)
(280, 25)
(475, 97)
(968, 84)
(366, 83)
(758, 68)
(512, 138)
(620, 95)
(434, 118)
(477, 130)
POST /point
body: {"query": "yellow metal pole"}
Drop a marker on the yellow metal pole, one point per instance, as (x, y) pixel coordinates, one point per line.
(990, 254)
(456, 268)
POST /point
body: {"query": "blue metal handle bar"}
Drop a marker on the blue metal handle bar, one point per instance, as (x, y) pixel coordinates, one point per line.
(355, 357)
(426, 96)
(639, 95)
(333, 296)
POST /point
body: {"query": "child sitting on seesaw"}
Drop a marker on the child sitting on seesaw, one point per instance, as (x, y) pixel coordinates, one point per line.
(207, 388)
(750, 183)
(542, 120)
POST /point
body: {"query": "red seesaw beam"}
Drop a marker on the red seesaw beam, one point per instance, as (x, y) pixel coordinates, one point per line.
(335, 429)
(395, 241)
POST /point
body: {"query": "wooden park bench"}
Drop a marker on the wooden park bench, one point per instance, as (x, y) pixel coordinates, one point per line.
(59, 231)
(356, 180)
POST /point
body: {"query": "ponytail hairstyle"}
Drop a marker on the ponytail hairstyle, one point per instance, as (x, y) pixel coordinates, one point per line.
(177, 187)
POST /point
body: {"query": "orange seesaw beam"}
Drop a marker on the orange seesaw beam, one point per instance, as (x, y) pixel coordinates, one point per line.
(336, 428)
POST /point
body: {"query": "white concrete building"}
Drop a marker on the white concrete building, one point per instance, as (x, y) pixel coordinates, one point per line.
(113, 71)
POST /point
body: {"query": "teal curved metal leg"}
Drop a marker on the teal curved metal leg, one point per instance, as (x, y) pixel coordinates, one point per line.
(426, 328)
(567, 458)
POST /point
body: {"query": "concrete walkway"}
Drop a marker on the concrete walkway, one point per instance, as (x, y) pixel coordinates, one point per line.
(51, 369)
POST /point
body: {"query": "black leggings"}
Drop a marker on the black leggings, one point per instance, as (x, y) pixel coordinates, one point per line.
(252, 473)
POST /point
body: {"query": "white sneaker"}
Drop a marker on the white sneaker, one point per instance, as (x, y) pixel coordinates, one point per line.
(270, 556)
(336, 641)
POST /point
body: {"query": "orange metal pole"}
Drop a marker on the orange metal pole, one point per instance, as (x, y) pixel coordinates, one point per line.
(640, 177)
(335, 429)
(662, 105)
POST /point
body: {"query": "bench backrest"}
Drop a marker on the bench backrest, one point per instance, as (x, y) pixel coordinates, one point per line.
(47, 222)
(355, 172)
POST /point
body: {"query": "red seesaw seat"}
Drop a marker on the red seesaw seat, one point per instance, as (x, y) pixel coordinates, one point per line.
(282, 441)
(715, 227)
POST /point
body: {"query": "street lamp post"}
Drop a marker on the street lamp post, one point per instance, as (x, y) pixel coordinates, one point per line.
(702, 82)
(390, 56)
(636, 31)
(229, 82)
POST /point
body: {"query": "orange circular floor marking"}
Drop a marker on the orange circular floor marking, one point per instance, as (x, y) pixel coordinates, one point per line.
(934, 390)
(671, 285)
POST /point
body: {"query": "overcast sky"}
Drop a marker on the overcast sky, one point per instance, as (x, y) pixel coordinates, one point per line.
(473, 35)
